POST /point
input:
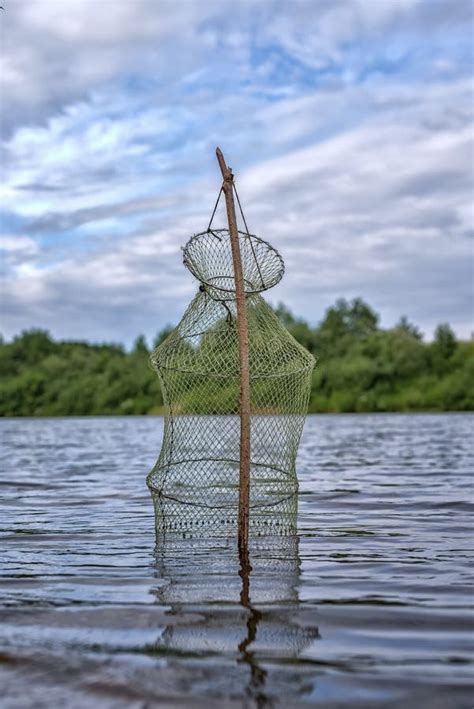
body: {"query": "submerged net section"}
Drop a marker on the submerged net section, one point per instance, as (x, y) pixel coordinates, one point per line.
(195, 481)
(219, 615)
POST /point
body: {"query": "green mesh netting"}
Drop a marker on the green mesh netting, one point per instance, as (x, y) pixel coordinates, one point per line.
(195, 481)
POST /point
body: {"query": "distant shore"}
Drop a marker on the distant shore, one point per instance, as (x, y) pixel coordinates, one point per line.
(361, 368)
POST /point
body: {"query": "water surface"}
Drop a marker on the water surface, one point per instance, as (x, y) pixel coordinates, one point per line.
(368, 606)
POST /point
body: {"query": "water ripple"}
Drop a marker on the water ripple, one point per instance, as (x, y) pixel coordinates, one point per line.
(369, 606)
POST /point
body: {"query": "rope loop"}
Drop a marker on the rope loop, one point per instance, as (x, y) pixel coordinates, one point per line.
(210, 231)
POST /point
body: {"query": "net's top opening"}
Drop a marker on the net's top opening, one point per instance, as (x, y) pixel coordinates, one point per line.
(208, 256)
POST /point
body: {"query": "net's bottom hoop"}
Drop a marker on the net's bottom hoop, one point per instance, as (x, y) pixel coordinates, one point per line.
(188, 520)
(213, 483)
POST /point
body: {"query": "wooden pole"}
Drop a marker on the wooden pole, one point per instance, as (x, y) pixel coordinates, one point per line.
(242, 328)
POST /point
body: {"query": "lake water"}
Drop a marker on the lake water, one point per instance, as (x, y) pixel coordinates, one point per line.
(368, 606)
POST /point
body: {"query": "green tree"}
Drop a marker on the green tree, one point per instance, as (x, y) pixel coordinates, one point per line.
(442, 349)
(355, 318)
(445, 342)
(404, 325)
(140, 346)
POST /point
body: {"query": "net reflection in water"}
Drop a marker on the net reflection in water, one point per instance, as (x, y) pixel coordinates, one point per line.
(240, 606)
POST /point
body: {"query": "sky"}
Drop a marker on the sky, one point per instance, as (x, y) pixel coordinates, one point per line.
(348, 124)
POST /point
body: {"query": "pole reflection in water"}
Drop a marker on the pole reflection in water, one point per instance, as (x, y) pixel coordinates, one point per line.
(255, 688)
(234, 607)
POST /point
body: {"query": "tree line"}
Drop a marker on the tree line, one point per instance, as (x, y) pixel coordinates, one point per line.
(361, 368)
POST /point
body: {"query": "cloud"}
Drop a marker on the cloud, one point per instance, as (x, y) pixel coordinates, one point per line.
(382, 210)
(56, 53)
(349, 128)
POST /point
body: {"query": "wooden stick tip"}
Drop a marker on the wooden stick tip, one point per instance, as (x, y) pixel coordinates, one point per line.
(221, 161)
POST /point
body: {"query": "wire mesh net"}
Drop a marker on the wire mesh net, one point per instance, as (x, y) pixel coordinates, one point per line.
(195, 481)
(208, 256)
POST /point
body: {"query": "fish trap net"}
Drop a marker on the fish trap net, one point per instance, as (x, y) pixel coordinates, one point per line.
(195, 481)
